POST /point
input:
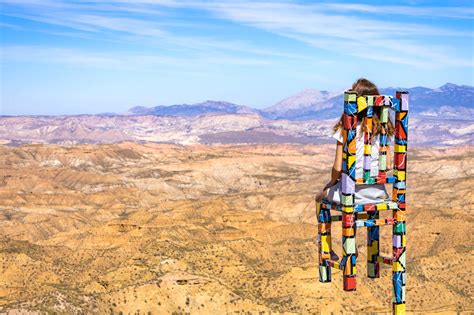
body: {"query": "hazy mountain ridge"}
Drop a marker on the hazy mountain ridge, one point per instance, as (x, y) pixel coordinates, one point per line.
(292, 121)
(191, 110)
(447, 101)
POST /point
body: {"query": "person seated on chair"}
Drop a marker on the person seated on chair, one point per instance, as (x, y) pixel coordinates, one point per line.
(364, 193)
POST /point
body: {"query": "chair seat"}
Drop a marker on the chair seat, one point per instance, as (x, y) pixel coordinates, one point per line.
(386, 204)
(362, 219)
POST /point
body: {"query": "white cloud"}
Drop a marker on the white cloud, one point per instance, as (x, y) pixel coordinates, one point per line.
(360, 30)
(376, 39)
(128, 61)
(447, 12)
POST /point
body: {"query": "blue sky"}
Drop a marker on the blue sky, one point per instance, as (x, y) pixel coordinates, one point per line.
(73, 57)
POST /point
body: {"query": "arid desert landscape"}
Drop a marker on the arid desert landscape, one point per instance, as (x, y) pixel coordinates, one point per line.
(212, 229)
(164, 156)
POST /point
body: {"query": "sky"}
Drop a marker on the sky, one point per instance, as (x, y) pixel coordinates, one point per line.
(77, 57)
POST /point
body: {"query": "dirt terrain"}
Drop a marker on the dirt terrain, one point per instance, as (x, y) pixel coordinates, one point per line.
(161, 228)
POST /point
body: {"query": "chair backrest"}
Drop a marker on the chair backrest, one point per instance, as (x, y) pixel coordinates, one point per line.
(353, 105)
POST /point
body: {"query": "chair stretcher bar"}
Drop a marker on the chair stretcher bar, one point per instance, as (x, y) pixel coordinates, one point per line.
(385, 260)
(390, 205)
(376, 222)
(334, 264)
(340, 265)
(376, 180)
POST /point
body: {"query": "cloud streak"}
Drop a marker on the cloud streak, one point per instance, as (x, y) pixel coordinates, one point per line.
(357, 30)
(124, 61)
(442, 12)
(355, 36)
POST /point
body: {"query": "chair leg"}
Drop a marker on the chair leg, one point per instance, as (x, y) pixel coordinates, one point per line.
(373, 247)
(399, 262)
(349, 251)
(324, 243)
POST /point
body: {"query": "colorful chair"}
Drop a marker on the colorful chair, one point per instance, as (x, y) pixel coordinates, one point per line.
(353, 215)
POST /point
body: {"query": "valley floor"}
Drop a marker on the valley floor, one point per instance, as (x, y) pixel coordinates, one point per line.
(157, 228)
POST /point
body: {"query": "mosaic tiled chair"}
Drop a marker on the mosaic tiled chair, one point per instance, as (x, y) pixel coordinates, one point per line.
(354, 216)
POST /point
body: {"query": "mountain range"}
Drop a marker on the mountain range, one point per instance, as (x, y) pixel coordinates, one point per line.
(448, 101)
(442, 116)
(219, 107)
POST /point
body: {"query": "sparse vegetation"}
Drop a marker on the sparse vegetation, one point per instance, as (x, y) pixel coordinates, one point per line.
(152, 229)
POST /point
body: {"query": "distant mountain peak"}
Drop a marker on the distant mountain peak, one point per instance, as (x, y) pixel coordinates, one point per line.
(449, 85)
(305, 98)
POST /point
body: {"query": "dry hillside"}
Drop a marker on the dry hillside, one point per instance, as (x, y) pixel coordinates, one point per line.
(155, 228)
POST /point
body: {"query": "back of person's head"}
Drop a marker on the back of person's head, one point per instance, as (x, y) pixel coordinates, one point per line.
(365, 87)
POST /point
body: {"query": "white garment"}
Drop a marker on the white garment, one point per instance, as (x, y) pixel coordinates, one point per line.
(365, 193)
(374, 168)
